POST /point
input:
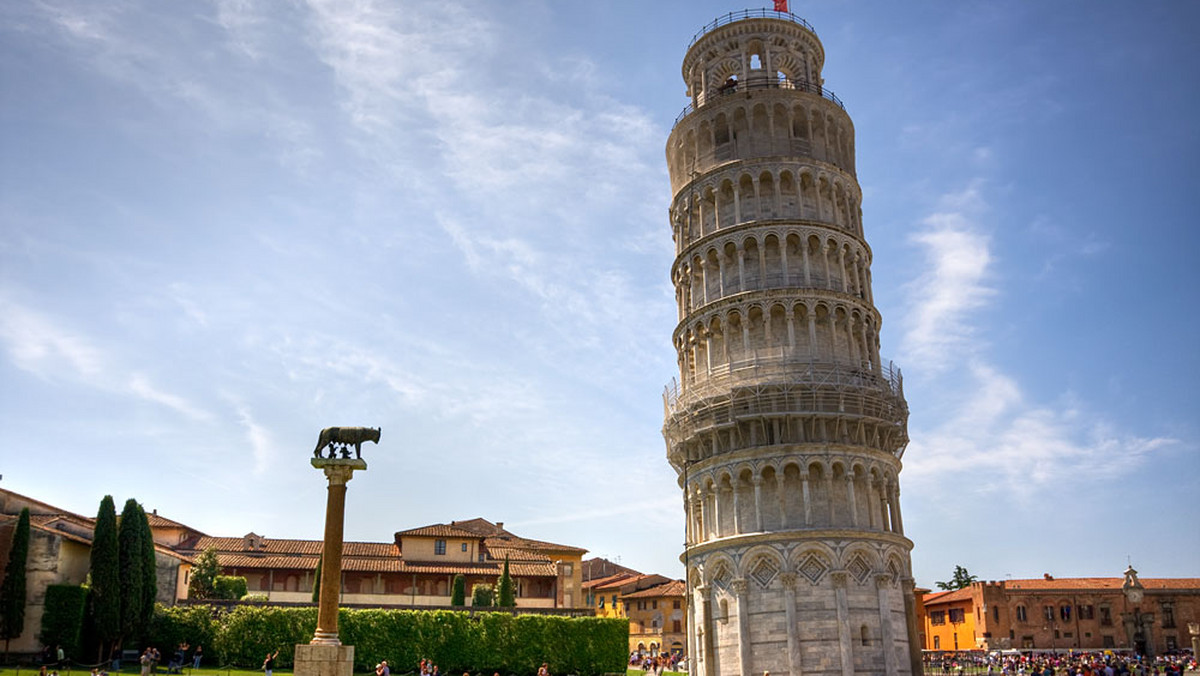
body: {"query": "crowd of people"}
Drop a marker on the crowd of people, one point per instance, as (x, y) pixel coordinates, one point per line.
(657, 664)
(1075, 663)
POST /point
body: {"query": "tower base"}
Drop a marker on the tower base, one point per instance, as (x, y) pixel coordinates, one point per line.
(324, 660)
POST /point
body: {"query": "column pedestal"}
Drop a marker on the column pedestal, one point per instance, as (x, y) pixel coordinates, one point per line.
(324, 660)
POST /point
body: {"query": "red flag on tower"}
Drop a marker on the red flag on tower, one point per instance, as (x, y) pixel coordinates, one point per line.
(781, 5)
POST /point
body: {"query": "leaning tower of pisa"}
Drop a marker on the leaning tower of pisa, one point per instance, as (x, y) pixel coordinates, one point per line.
(785, 425)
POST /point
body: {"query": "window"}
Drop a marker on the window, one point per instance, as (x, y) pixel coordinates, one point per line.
(1021, 614)
(1065, 613)
(439, 547)
(937, 617)
(1106, 617)
(1172, 644)
(937, 642)
(614, 601)
(654, 605)
(675, 604)
(1048, 613)
(995, 613)
(1168, 614)
(1108, 642)
(464, 546)
(865, 635)
(601, 606)
(676, 626)
(957, 616)
(1087, 612)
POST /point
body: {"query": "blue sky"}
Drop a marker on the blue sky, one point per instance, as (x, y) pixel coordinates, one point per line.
(225, 225)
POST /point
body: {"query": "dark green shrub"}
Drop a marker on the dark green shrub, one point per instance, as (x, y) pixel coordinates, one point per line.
(229, 587)
(482, 596)
(62, 623)
(178, 624)
(12, 591)
(458, 593)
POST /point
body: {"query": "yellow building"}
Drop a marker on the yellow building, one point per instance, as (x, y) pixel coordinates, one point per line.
(949, 621)
(416, 569)
(657, 618)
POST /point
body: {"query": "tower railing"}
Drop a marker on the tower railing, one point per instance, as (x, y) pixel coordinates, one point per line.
(755, 84)
(781, 368)
(749, 14)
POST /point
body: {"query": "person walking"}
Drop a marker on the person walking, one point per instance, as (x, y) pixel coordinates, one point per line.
(197, 656)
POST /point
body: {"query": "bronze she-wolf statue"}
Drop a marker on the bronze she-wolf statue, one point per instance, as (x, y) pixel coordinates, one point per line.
(345, 437)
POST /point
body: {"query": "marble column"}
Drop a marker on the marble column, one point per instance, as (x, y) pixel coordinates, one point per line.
(789, 582)
(840, 579)
(338, 474)
(882, 584)
(739, 588)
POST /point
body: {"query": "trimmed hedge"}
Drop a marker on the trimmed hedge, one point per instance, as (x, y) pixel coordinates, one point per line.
(457, 641)
(62, 623)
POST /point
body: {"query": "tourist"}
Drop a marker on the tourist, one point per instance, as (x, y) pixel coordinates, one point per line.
(144, 660)
(543, 670)
(197, 656)
(269, 663)
(387, 671)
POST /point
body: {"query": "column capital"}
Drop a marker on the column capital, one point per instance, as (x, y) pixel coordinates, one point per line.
(789, 581)
(883, 581)
(839, 578)
(738, 585)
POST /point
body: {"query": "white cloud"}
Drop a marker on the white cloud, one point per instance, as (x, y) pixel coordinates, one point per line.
(52, 350)
(939, 331)
(992, 437)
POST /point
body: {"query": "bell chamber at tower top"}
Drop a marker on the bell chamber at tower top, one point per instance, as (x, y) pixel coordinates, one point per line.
(754, 80)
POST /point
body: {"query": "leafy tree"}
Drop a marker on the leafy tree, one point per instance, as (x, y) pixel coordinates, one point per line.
(960, 580)
(458, 594)
(506, 597)
(129, 541)
(205, 570)
(316, 595)
(106, 577)
(149, 572)
(482, 596)
(12, 592)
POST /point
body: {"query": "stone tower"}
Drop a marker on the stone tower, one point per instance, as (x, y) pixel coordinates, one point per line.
(785, 426)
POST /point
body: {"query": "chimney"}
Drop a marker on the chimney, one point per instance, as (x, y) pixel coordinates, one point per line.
(499, 526)
(1047, 576)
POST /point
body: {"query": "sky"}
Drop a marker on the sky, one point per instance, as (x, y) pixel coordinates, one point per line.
(228, 224)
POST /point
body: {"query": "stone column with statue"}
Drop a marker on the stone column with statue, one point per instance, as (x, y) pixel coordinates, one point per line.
(325, 655)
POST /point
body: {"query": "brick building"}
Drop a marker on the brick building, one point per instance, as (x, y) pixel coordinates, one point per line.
(1148, 616)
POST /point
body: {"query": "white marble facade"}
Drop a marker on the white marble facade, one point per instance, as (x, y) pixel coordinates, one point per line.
(786, 426)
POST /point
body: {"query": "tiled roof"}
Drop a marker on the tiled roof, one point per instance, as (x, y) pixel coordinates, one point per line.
(604, 581)
(481, 527)
(672, 588)
(283, 546)
(1099, 583)
(638, 582)
(532, 570)
(526, 543)
(948, 596)
(276, 562)
(439, 530)
(157, 521)
(515, 554)
(451, 568)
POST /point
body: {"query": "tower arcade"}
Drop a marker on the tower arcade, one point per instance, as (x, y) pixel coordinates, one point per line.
(785, 425)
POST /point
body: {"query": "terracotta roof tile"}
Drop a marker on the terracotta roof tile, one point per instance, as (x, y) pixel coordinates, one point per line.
(439, 530)
(1111, 583)
(948, 596)
(602, 581)
(532, 570)
(515, 554)
(672, 588)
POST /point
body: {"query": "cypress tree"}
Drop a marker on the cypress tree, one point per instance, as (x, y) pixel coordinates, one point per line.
(458, 595)
(149, 572)
(316, 594)
(505, 597)
(12, 592)
(129, 539)
(106, 576)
